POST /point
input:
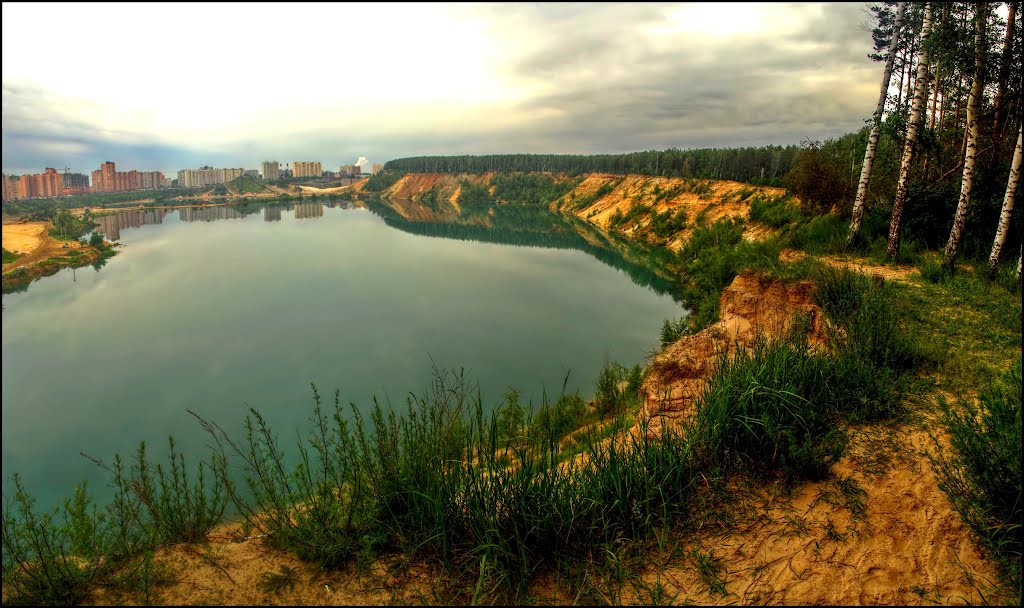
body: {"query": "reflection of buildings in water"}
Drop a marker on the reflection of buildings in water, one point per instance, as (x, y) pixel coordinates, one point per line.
(340, 204)
(111, 225)
(208, 214)
(305, 210)
(272, 213)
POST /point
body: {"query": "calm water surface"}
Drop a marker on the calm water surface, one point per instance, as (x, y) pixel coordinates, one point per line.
(246, 311)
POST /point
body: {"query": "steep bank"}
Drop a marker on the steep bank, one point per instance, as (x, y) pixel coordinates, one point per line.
(658, 210)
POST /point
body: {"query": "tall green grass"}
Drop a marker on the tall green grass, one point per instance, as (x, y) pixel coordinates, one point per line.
(980, 472)
(872, 351)
(491, 498)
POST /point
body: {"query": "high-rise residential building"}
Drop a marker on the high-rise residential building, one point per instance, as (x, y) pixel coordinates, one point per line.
(271, 170)
(109, 179)
(12, 188)
(376, 168)
(207, 176)
(351, 170)
(307, 169)
(74, 183)
(47, 184)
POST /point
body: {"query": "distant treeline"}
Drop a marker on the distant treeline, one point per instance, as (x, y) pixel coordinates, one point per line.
(763, 166)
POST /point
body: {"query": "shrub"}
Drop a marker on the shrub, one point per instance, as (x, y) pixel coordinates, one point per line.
(617, 388)
(565, 415)
(767, 409)
(671, 331)
(776, 211)
(815, 180)
(47, 561)
(179, 511)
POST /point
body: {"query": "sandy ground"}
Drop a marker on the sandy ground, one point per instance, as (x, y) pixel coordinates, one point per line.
(23, 238)
(879, 531)
(31, 239)
(887, 272)
(721, 202)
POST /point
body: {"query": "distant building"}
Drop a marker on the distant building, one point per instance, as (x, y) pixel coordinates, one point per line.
(74, 183)
(351, 170)
(376, 168)
(207, 176)
(307, 169)
(109, 179)
(252, 173)
(167, 182)
(47, 184)
(271, 170)
(12, 188)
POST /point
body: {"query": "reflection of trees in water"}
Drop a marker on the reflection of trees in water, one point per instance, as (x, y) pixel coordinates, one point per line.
(111, 225)
(538, 227)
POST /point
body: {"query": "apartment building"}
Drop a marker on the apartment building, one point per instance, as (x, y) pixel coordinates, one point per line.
(271, 170)
(207, 176)
(307, 169)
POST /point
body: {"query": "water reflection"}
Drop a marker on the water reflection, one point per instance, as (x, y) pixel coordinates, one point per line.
(527, 226)
(272, 213)
(210, 214)
(307, 210)
(111, 225)
(517, 225)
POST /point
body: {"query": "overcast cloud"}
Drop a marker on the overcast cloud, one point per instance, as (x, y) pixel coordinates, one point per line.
(172, 86)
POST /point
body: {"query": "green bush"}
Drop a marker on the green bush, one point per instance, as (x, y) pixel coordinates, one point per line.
(47, 561)
(617, 388)
(555, 421)
(178, 510)
(767, 409)
(776, 211)
(671, 331)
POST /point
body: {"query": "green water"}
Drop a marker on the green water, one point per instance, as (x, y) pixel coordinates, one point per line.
(223, 309)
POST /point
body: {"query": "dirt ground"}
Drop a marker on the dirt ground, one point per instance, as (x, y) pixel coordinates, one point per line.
(23, 238)
(32, 240)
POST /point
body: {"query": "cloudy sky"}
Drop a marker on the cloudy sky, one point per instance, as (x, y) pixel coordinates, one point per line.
(170, 86)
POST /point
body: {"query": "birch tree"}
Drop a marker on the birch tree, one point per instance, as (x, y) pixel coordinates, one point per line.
(971, 147)
(920, 92)
(1004, 215)
(876, 123)
(1004, 70)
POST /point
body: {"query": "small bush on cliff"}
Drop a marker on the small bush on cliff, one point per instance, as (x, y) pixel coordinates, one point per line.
(382, 181)
(767, 408)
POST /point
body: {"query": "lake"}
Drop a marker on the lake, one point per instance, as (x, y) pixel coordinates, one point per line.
(221, 309)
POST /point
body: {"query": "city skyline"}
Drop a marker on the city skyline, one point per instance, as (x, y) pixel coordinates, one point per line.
(433, 79)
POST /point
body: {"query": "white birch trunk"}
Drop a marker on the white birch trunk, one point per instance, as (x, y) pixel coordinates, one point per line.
(1020, 258)
(920, 92)
(876, 123)
(1008, 200)
(971, 149)
(1004, 68)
